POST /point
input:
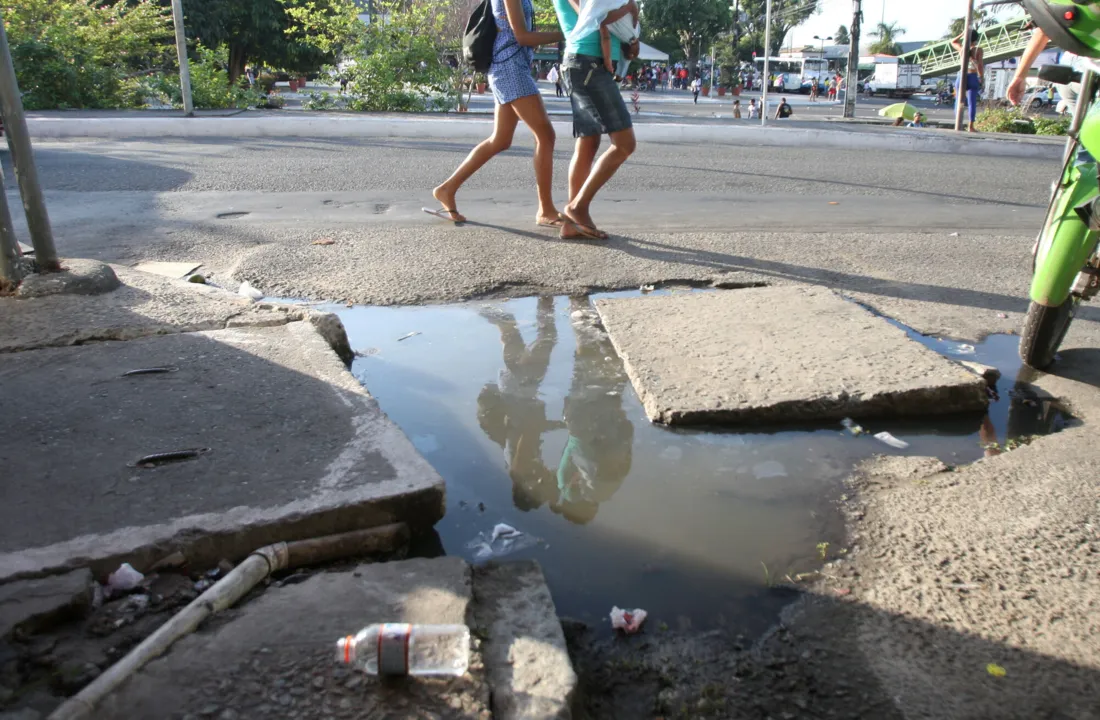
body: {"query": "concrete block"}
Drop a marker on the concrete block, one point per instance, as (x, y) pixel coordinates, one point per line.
(781, 354)
(525, 653)
(275, 656)
(33, 604)
(77, 277)
(296, 449)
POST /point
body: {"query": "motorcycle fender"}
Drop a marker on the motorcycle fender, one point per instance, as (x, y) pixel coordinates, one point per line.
(1066, 243)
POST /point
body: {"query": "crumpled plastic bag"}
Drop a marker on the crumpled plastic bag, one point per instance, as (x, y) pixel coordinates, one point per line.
(503, 540)
(123, 580)
(629, 621)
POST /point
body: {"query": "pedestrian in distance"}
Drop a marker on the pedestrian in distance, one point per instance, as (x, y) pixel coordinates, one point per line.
(695, 86)
(516, 96)
(754, 110)
(598, 110)
(972, 84)
(737, 109)
(813, 89)
(554, 76)
(784, 110)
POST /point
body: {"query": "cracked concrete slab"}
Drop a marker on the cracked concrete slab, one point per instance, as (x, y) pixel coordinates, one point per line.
(274, 657)
(781, 354)
(296, 448)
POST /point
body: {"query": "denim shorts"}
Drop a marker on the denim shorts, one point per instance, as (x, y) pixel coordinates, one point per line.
(598, 107)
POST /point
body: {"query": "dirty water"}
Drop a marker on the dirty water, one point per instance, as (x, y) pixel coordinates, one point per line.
(526, 411)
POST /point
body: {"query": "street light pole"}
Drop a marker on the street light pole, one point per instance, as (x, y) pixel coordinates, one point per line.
(767, 56)
(964, 63)
(853, 61)
(181, 51)
(26, 172)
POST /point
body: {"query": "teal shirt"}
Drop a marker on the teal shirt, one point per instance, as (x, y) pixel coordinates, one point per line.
(589, 44)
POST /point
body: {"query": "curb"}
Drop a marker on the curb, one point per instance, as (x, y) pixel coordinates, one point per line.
(329, 126)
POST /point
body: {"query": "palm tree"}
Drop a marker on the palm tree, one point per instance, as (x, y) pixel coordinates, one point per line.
(887, 43)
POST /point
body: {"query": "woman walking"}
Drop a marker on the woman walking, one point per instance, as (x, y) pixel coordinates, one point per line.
(517, 98)
(975, 70)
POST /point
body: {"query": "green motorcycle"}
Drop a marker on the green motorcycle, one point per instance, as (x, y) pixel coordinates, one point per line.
(1066, 267)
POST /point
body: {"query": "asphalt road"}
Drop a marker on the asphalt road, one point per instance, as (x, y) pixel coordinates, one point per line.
(939, 241)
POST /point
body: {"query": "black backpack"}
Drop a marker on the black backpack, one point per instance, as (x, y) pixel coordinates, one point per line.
(481, 33)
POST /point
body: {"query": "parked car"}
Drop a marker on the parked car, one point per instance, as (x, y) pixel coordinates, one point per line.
(1037, 99)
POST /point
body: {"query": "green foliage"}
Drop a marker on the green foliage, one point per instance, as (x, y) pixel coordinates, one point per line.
(1051, 126)
(1004, 120)
(693, 24)
(400, 64)
(887, 43)
(786, 14)
(79, 53)
(841, 36)
(981, 17)
(321, 101)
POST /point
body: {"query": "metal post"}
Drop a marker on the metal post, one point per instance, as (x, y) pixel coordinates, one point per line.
(19, 142)
(181, 51)
(11, 270)
(964, 64)
(852, 83)
(767, 56)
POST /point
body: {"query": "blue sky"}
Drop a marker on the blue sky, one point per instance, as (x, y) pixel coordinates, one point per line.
(925, 20)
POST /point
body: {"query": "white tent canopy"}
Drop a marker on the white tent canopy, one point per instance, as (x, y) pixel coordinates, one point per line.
(650, 53)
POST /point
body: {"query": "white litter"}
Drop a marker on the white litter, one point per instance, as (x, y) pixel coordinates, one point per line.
(124, 579)
(246, 290)
(501, 530)
(960, 349)
(629, 621)
(891, 440)
(852, 426)
(406, 337)
(503, 540)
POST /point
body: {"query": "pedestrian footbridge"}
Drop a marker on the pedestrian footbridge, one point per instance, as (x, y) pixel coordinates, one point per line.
(1000, 42)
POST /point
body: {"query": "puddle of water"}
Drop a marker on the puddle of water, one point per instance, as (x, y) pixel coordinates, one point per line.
(525, 410)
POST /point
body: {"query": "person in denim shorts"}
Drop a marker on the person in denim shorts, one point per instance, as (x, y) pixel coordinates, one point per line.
(517, 98)
(598, 109)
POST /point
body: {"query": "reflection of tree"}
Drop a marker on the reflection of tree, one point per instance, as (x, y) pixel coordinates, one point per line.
(510, 412)
(597, 455)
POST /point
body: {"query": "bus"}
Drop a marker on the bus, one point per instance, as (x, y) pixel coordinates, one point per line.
(797, 72)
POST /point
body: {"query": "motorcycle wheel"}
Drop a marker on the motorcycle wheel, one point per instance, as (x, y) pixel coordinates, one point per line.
(1044, 330)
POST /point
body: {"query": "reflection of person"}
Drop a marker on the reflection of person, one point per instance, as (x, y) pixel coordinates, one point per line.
(512, 415)
(597, 455)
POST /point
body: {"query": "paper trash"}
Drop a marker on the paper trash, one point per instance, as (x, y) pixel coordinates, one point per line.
(629, 621)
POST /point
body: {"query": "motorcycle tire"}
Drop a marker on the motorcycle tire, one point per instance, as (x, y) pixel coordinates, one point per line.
(1044, 330)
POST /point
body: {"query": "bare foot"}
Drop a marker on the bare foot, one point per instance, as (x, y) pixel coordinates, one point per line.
(549, 219)
(446, 198)
(583, 221)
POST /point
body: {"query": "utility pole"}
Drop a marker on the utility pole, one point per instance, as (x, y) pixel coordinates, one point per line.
(19, 142)
(964, 63)
(767, 57)
(852, 83)
(181, 51)
(11, 270)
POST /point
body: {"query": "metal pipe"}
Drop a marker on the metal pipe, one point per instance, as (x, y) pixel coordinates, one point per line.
(964, 66)
(11, 265)
(26, 172)
(227, 591)
(181, 51)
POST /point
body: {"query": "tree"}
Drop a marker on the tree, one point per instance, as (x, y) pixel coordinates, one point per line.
(693, 24)
(887, 43)
(786, 15)
(841, 36)
(957, 25)
(297, 35)
(79, 54)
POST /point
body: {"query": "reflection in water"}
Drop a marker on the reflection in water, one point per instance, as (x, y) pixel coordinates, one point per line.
(597, 453)
(1029, 415)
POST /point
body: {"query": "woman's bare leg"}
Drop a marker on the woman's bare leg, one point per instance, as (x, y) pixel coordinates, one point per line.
(622, 147)
(531, 111)
(504, 128)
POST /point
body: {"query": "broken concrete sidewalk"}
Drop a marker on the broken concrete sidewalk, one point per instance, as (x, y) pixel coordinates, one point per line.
(783, 354)
(274, 657)
(291, 444)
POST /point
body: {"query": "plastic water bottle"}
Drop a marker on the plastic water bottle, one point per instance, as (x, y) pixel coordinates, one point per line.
(403, 649)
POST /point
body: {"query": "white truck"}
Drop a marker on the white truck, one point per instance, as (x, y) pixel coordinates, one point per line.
(893, 80)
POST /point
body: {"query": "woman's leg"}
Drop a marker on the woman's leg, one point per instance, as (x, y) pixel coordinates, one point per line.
(532, 112)
(504, 128)
(973, 88)
(622, 147)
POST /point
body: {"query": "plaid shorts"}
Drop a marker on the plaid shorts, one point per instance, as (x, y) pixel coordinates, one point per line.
(598, 107)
